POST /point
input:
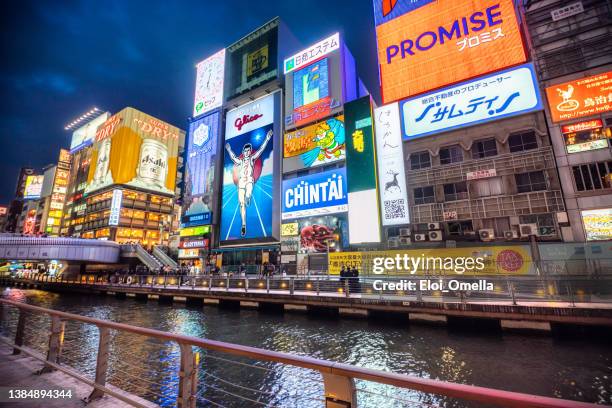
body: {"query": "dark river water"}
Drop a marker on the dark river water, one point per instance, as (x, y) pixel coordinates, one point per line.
(574, 368)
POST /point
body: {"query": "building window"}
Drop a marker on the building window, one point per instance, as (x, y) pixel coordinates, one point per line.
(488, 187)
(455, 191)
(456, 228)
(532, 181)
(424, 195)
(499, 225)
(484, 148)
(592, 176)
(419, 160)
(520, 142)
(545, 222)
(451, 154)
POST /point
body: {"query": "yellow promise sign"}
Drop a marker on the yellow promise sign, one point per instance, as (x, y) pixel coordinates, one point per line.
(289, 229)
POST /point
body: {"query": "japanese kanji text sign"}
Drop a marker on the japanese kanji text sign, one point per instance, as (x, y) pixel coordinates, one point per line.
(580, 98)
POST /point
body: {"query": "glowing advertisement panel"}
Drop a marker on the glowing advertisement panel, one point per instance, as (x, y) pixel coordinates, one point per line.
(390, 156)
(597, 224)
(580, 98)
(364, 225)
(443, 42)
(311, 93)
(248, 171)
(315, 194)
(200, 169)
(135, 149)
(85, 135)
(506, 93)
(311, 83)
(314, 145)
(33, 187)
(386, 10)
(210, 74)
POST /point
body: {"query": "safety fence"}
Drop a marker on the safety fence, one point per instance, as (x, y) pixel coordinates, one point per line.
(432, 288)
(195, 371)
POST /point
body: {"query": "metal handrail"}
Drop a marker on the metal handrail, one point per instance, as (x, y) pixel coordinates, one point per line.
(461, 391)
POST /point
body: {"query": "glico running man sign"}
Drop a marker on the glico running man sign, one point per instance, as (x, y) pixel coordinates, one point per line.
(503, 94)
(248, 172)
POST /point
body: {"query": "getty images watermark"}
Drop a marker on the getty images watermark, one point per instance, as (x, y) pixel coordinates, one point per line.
(404, 264)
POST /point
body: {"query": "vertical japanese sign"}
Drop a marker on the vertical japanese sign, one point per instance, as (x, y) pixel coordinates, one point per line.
(361, 172)
(115, 210)
(390, 155)
(506, 93)
(580, 98)
(200, 170)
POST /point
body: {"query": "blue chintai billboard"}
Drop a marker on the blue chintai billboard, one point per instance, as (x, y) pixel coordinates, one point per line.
(316, 194)
(249, 166)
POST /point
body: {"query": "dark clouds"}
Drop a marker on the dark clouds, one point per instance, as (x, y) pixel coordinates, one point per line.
(60, 59)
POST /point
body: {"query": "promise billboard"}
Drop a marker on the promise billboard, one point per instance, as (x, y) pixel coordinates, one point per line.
(437, 43)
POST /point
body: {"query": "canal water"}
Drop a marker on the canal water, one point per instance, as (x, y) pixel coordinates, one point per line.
(572, 367)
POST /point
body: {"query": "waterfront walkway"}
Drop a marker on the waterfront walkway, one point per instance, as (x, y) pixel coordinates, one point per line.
(20, 372)
(513, 304)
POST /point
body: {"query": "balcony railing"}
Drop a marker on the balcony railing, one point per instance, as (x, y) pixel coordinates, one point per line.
(504, 164)
(537, 202)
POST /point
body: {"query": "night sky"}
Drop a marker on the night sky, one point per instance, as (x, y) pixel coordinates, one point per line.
(60, 59)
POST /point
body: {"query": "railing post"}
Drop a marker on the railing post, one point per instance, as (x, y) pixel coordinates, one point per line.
(227, 283)
(512, 295)
(56, 339)
(339, 391)
(291, 285)
(318, 286)
(267, 285)
(346, 287)
(187, 378)
(19, 331)
(246, 284)
(101, 362)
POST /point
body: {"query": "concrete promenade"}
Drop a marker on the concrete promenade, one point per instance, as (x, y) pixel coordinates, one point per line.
(20, 372)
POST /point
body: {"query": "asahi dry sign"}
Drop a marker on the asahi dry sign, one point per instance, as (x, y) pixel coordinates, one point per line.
(135, 149)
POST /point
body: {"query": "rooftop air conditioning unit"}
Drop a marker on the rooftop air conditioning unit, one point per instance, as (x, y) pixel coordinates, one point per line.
(433, 226)
(435, 235)
(487, 234)
(404, 232)
(528, 229)
(405, 240)
(393, 243)
(511, 234)
(419, 237)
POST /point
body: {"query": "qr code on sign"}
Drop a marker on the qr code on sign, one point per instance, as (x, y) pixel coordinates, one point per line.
(394, 209)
